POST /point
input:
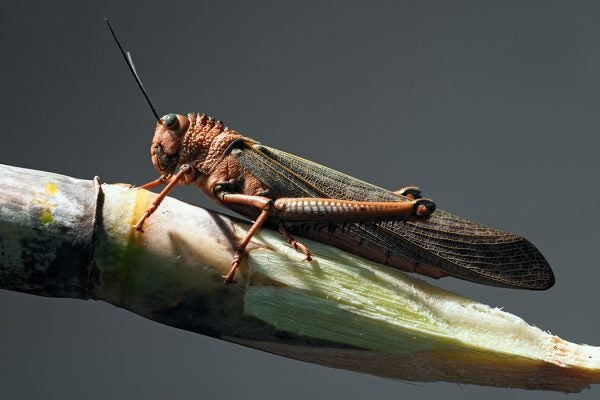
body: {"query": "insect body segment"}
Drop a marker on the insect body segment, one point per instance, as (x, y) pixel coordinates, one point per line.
(203, 148)
(399, 229)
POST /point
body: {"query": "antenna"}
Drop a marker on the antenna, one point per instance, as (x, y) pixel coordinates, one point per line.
(129, 62)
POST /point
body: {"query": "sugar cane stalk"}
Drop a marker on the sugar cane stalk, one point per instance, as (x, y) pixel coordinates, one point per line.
(65, 237)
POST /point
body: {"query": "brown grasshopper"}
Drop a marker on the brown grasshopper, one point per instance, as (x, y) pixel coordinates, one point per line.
(300, 197)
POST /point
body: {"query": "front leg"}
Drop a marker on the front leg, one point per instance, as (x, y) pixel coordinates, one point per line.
(152, 184)
(183, 170)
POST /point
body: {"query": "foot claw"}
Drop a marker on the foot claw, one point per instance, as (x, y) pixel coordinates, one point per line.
(300, 247)
(228, 280)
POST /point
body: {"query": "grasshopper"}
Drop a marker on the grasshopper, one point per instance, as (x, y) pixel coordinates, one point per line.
(299, 197)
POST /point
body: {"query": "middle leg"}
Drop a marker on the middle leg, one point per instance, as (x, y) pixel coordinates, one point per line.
(295, 244)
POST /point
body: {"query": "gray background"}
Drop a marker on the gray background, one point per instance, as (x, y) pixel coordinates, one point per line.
(491, 107)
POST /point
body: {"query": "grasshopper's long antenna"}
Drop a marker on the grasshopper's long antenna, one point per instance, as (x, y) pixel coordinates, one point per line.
(133, 71)
(130, 60)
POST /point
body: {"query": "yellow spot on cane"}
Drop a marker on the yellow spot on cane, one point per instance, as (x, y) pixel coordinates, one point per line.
(45, 206)
(46, 216)
(143, 198)
(51, 189)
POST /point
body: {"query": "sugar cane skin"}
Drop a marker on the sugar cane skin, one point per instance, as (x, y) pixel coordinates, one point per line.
(249, 178)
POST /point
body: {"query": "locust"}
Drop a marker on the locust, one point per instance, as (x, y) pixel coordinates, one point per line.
(301, 198)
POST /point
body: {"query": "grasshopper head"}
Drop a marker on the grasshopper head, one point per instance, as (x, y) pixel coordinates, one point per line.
(168, 137)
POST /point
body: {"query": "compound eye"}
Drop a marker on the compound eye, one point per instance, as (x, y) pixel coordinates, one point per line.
(171, 121)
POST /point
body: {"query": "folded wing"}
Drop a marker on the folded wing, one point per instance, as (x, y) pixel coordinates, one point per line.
(457, 246)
